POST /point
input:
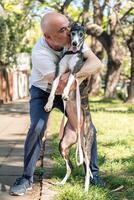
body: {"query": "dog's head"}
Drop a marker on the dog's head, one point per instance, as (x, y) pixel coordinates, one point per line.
(77, 34)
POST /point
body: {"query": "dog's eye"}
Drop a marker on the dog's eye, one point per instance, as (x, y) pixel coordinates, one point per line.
(72, 33)
(81, 34)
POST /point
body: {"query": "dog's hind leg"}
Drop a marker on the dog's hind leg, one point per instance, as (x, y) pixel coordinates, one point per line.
(69, 138)
(68, 172)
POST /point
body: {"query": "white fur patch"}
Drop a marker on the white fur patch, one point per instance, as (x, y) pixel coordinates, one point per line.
(76, 39)
(72, 62)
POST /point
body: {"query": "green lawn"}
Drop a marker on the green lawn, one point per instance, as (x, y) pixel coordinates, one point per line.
(114, 122)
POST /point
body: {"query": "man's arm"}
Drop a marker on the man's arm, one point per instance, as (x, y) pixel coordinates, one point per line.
(91, 66)
(62, 83)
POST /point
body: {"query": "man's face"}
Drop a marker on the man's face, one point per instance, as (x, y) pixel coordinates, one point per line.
(60, 33)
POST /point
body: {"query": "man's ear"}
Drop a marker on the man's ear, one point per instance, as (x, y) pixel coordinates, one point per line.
(47, 36)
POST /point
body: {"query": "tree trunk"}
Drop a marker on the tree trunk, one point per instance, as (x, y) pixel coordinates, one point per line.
(112, 78)
(4, 74)
(110, 43)
(131, 88)
(97, 48)
(64, 7)
(130, 44)
(95, 84)
(113, 70)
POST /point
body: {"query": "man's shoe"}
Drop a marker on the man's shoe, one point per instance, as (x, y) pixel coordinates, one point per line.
(20, 186)
(97, 181)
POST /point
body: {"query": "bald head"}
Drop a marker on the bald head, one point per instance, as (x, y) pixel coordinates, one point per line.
(52, 20)
(56, 30)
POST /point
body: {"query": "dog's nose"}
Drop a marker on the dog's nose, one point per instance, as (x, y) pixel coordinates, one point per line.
(74, 44)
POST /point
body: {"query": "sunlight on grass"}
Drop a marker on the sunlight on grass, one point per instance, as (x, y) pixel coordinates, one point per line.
(115, 138)
(75, 192)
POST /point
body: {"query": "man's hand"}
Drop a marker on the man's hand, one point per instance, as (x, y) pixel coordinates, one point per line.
(63, 82)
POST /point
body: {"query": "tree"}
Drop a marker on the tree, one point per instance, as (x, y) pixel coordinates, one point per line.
(105, 27)
(103, 21)
(96, 46)
(130, 44)
(14, 22)
(13, 29)
(127, 29)
(109, 36)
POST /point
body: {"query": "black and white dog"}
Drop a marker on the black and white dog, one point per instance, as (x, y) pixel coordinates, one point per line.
(72, 60)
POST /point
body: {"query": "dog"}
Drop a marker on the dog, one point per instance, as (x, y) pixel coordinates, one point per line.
(70, 137)
(72, 60)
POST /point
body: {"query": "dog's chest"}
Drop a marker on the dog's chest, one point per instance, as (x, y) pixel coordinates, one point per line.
(69, 62)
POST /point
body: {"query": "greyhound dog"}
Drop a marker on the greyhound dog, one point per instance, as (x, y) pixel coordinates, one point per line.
(73, 60)
(70, 136)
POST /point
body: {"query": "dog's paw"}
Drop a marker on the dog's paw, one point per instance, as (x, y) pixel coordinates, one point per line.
(65, 97)
(48, 107)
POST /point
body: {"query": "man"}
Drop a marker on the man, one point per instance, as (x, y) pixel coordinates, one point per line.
(45, 56)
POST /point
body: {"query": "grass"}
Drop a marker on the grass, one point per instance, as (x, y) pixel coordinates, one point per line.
(114, 122)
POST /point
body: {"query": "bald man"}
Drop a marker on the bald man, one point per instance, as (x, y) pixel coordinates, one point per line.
(46, 55)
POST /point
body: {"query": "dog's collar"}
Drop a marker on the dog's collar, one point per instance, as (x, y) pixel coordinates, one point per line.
(70, 52)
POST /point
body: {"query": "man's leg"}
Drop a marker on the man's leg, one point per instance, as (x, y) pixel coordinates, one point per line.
(34, 139)
(39, 118)
(94, 163)
(94, 160)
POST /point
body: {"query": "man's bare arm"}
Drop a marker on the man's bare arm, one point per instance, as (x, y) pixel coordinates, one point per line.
(62, 83)
(91, 66)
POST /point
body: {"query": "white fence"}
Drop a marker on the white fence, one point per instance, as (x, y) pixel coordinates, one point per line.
(15, 84)
(21, 76)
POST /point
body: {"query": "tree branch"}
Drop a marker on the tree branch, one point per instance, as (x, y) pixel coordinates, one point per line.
(85, 12)
(126, 13)
(97, 32)
(86, 5)
(98, 14)
(65, 6)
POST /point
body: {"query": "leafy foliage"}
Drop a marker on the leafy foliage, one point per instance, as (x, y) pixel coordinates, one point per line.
(13, 28)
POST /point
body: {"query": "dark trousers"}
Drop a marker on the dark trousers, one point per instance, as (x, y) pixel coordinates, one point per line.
(39, 120)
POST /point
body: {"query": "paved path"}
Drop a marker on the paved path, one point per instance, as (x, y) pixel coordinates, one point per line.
(14, 123)
(47, 191)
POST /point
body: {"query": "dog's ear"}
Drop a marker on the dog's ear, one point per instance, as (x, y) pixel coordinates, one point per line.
(77, 23)
(73, 23)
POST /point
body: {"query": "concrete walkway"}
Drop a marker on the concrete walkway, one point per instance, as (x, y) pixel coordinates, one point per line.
(14, 124)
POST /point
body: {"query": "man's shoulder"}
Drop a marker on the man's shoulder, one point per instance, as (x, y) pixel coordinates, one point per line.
(40, 45)
(40, 49)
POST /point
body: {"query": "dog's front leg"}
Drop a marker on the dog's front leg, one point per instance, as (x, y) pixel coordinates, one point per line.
(66, 91)
(51, 97)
